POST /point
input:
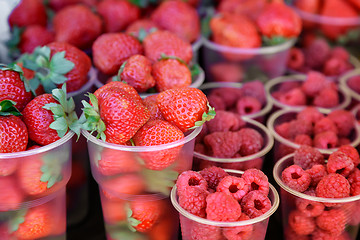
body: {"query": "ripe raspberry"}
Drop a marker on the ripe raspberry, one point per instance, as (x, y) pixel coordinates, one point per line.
(256, 90)
(255, 204)
(324, 235)
(344, 120)
(303, 139)
(316, 172)
(335, 66)
(222, 144)
(326, 140)
(240, 232)
(251, 141)
(292, 235)
(327, 98)
(354, 83)
(283, 150)
(351, 152)
(283, 129)
(354, 180)
(222, 207)
(333, 185)
(317, 53)
(228, 95)
(233, 186)
(257, 180)
(193, 200)
(248, 105)
(296, 178)
(309, 208)
(296, 58)
(325, 124)
(307, 156)
(310, 114)
(216, 102)
(288, 85)
(340, 52)
(300, 223)
(339, 162)
(333, 221)
(204, 232)
(344, 141)
(294, 97)
(314, 83)
(190, 179)
(213, 176)
(225, 121)
(297, 127)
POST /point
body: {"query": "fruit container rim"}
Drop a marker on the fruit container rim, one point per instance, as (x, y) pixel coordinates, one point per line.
(265, 110)
(343, 82)
(355, 110)
(277, 114)
(261, 153)
(303, 195)
(275, 205)
(258, 51)
(302, 77)
(197, 44)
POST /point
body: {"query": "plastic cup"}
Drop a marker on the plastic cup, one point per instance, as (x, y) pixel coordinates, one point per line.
(255, 160)
(297, 206)
(126, 173)
(256, 63)
(344, 82)
(283, 146)
(274, 84)
(253, 229)
(33, 182)
(196, 48)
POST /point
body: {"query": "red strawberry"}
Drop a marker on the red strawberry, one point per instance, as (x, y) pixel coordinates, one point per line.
(356, 3)
(117, 14)
(110, 50)
(57, 5)
(164, 42)
(125, 184)
(11, 195)
(251, 8)
(185, 107)
(141, 25)
(171, 73)
(150, 103)
(77, 25)
(34, 36)
(114, 210)
(178, 17)
(28, 12)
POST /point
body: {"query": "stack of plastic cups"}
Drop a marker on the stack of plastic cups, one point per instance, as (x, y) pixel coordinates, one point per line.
(33, 191)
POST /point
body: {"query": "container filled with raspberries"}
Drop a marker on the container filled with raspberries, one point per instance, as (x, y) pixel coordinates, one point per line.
(224, 204)
(320, 195)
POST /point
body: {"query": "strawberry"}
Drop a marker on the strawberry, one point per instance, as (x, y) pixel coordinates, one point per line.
(34, 36)
(136, 72)
(140, 26)
(28, 12)
(178, 17)
(13, 135)
(171, 73)
(308, 6)
(251, 8)
(110, 50)
(114, 210)
(356, 3)
(11, 195)
(117, 14)
(164, 42)
(132, 184)
(185, 107)
(279, 21)
(339, 9)
(77, 25)
(57, 5)
(150, 103)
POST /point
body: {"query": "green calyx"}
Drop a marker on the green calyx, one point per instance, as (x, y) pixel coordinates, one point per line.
(65, 117)
(209, 13)
(93, 122)
(274, 40)
(49, 72)
(132, 222)
(13, 43)
(350, 36)
(206, 116)
(118, 76)
(7, 108)
(52, 167)
(16, 68)
(16, 218)
(160, 181)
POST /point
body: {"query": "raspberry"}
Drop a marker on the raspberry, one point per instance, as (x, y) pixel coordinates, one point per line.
(309, 208)
(339, 162)
(300, 223)
(354, 180)
(255, 89)
(333, 221)
(310, 114)
(288, 85)
(233, 186)
(325, 124)
(228, 95)
(193, 200)
(326, 140)
(239, 232)
(294, 97)
(216, 102)
(283, 129)
(297, 127)
(354, 83)
(222, 207)
(351, 152)
(327, 98)
(314, 83)
(213, 176)
(317, 53)
(340, 52)
(257, 180)
(333, 185)
(225, 121)
(296, 178)
(344, 141)
(204, 232)
(316, 172)
(223, 144)
(335, 66)
(255, 204)
(190, 179)
(291, 235)
(251, 141)
(227, 72)
(306, 157)
(248, 105)
(204, 131)
(296, 58)
(320, 234)
(303, 139)
(200, 148)
(344, 121)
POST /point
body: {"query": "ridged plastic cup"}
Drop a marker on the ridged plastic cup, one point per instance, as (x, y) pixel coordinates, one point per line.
(20, 194)
(257, 63)
(127, 173)
(253, 229)
(294, 205)
(355, 96)
(283, 146)
(274, 84)
(255, 160)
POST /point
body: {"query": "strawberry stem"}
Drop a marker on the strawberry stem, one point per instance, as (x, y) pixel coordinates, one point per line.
(206, 116)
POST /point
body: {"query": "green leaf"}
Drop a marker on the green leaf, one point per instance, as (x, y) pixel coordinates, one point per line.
(59, 124)
(17, 218)
(274, 40)
(43, 51)
(59, 64)
(195, 70)
(207, 116)
(205, 22)
(7, 107)
(45, 176)
(57, 78)
(163, 56)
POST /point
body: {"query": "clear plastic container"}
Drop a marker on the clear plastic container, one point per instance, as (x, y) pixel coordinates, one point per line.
(293, 210)
(256, 160)
(274, 84)
(196, 49)
(283, 146)
(257, 63)
(255, 228)
(355, 96)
